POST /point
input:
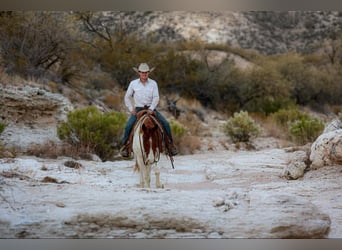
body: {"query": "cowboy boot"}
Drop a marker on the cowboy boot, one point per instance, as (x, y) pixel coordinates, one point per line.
(124, 151)
(174, 150)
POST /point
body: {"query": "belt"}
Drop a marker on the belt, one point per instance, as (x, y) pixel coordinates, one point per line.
(145, 107)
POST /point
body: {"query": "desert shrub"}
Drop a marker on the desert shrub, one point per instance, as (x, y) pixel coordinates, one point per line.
(259, 89)
(96, 132)
(284, 116)
(308, 84)
(33, 43)
(241, 127)
(300, 127)
(306, 129)
(178, 130)
(2, 127)
(49, 149)
(264, 90)
(188, 144)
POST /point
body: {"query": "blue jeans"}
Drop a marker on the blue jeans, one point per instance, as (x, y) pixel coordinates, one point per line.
(133, 118)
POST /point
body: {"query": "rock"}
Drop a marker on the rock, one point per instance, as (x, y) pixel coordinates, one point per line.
(32, 105)
(332, 126)
(294, 170)
(327, 149)
(296, 166)
(284, 216)
(218, 202)
(31, 111)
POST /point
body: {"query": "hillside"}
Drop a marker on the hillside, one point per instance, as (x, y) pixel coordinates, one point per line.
(266, 32)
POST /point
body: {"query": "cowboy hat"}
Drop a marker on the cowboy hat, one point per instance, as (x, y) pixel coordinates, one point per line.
(143, 67)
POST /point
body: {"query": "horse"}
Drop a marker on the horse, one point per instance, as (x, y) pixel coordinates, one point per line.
(148, 144)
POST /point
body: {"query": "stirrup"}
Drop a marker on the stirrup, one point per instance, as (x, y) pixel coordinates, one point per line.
(174, 151)
(124, 152)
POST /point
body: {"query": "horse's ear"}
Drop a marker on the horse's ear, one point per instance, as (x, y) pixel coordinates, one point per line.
(141, 113)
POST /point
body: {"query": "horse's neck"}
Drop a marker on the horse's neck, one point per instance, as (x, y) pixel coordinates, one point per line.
(151, 139)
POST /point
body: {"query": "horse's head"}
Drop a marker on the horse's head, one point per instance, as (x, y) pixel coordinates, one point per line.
(148, 124)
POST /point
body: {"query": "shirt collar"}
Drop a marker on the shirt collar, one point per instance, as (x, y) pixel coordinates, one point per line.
(147, 81)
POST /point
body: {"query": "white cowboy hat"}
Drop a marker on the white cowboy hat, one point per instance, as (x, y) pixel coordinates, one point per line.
(143, 67)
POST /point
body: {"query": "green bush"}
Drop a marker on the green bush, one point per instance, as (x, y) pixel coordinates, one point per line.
(284, 116)
(2, 127)
(241, 127)
(178, 130)
(306, 129)
(93, 131)
(300, 127)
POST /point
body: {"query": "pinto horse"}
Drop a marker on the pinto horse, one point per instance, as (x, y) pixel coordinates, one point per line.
(148, 144)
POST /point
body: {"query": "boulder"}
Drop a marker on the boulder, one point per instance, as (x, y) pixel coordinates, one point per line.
(296, 166)
(31, 111)
(327, 149)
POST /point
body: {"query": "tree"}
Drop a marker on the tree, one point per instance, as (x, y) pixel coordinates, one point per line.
(332, 47)
(93, 24)
(33, 43)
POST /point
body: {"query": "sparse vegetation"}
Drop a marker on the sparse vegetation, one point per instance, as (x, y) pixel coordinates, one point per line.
(241, 127)
(300, 127)
(2, 127)
(306, 129)
(93, 132)
(95, 52)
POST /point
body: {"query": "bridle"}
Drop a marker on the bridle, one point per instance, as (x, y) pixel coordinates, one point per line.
(156, 122)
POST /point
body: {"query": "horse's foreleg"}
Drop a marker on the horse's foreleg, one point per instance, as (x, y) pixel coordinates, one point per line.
(141, 170)
(142, 179)
(157, 174)
(148, 175)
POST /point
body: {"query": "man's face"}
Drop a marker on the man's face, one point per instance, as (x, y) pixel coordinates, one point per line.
(143, 75)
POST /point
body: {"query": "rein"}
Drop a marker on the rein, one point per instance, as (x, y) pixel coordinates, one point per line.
(160, 127)
(141, 121)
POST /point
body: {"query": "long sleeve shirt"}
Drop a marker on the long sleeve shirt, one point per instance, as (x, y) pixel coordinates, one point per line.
(143, 94)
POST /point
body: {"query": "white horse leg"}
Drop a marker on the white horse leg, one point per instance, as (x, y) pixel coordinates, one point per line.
(157, 174)
(148, 175)
(141, 178)
(141, 172)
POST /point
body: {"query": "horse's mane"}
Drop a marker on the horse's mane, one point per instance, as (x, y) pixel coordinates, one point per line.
(153, 134)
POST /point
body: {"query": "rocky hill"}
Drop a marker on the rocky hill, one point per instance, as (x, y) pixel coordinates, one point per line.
(266, 31)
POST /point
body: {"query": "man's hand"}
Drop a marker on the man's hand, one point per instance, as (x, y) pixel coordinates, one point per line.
(133, 112)
(150, 111)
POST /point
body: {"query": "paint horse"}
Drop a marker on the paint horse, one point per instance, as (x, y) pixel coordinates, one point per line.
(148, 144)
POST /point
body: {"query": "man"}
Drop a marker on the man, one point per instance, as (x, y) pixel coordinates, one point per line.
(145, 95)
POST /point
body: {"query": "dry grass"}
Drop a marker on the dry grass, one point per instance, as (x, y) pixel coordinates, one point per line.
(269, 126)
(10, 80)
(114, 100)
(50, 150)
(189, 144)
